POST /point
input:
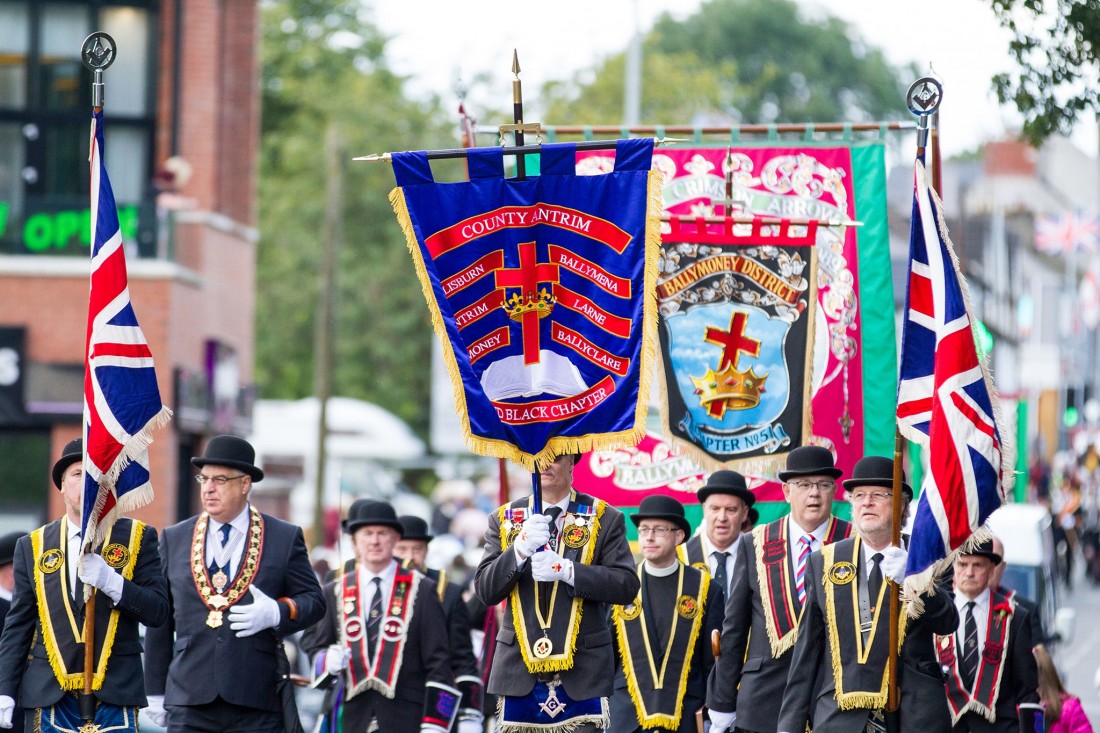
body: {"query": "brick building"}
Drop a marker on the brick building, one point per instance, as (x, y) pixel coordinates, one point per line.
(182, 127)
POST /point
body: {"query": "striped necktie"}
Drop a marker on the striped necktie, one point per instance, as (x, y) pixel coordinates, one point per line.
(969, 663)
(805, 542)
(374, 617)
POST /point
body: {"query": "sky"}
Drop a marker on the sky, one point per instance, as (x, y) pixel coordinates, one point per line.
(965, 47)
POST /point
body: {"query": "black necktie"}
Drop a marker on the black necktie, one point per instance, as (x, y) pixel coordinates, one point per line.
(969, 664)
(874, 580)
(720, 572)
(553, 512)
(374, 618)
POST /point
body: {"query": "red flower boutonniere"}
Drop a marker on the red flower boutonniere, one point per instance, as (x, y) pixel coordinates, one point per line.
(1002, 610)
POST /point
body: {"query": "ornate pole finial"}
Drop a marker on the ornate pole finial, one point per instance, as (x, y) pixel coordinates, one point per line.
(923, 99)
(98, 52)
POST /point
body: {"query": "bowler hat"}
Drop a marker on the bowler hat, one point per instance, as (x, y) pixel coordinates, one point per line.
(726, 482)
(984, 549)
(414, 528)
(810, 460)
(876, 471)
(70, 454)
(656, 506)
(7, 547)
(231, 451)
(371, 513)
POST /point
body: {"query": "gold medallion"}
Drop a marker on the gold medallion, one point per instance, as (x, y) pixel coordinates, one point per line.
(842, 573)
(50, 561)
(217, 603)
(214, 619)
(576, 536)
(542, 648)
(219, 580)
(116, 555)
(687, 606)
(631, 610)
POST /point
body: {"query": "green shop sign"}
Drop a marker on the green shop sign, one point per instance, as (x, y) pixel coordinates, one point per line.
(59, 230)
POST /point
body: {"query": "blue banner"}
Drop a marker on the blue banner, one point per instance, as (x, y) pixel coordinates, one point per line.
(542, 294)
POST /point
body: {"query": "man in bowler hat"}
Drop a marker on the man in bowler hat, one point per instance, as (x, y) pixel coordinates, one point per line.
(412, 551)
(239, 581)
(383, 635)
(844, 631)
(767, 594)
(7, 572)
(667, 628)
(42, 648)
(726, 501)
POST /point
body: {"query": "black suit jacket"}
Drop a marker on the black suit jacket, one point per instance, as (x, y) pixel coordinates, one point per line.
(143, 601)
(425, 658)
(611, 579)
(457, 619)
(1019, 681)
(191, 663)
(923, 705)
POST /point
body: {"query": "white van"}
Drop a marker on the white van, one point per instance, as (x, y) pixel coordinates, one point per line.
(1030, 560)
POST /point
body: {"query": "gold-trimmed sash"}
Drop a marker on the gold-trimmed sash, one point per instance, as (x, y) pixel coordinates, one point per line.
(525, 613)
(841, 592)
(62, 633)
(659, 704)
(217, 603)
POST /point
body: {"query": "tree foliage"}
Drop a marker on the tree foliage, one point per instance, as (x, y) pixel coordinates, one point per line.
(323, 63)
(1055, 45)
(748, 61)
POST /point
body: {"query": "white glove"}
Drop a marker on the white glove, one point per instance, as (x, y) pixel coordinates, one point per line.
(721, 722)
(893, 563)
(7, 707)
(336, 659)
(262, 613)
(550, 566)
(470, 725)
(534, 534)
(95, 571)
(156, 711)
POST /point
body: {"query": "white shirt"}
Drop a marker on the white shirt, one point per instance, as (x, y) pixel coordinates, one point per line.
(981, 618)
(72, 556)
(867, 551)
(795, 534)
(238, 538)
(708, 552)
(366, 592)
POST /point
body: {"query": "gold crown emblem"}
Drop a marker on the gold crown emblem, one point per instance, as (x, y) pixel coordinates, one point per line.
(541, 303)
(729, 389)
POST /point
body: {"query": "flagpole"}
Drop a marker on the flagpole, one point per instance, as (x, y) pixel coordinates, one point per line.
(97, 52)
(924, 99)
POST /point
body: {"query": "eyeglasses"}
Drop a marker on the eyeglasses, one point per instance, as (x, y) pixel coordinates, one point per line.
(218, 480)
(654, 531)
(825, 484)
(858, 497)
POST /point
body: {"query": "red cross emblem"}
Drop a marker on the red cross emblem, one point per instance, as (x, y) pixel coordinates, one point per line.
(530, 305)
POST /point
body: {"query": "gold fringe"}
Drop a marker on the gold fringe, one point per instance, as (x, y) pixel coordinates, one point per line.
(559, 445)
(603, 720)
(923, 583)
(659, 720)
(75, 680)
(779, 645)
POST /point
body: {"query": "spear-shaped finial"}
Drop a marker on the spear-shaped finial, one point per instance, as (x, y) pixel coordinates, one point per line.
(517, 113)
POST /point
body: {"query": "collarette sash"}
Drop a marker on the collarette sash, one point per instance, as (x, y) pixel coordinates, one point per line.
(982, 699)
(657, 695)
(62, 630)
(778, 595)
(376, 669)
(856, 660)
(581, 527)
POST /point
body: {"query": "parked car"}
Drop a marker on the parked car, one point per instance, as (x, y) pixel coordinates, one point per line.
(1031, 564)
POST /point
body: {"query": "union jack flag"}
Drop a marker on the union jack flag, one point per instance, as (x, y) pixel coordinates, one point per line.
(1069, 231)
(121, 398)
(946, 399)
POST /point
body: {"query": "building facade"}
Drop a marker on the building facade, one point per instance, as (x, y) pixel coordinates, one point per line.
(181, 117)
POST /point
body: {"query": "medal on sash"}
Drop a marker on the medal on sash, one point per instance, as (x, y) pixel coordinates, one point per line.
(212, 590)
